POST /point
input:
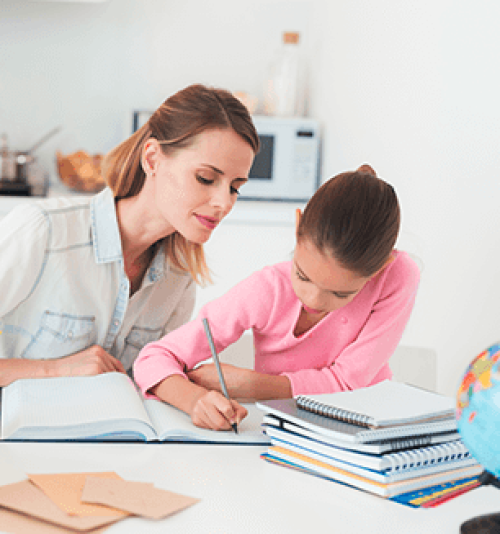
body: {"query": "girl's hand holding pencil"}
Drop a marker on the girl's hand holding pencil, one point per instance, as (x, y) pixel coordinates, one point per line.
(212, 410)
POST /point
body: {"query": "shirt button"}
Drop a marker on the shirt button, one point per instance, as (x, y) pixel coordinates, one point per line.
(343, 320)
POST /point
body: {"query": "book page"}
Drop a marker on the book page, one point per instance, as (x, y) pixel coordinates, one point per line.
(174, 425)
(71, 406)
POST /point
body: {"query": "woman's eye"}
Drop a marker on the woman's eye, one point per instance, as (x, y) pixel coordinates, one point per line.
(204, 181)
(234, 191)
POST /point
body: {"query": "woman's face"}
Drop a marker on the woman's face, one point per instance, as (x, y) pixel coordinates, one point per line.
(196, 187)
(320, 282)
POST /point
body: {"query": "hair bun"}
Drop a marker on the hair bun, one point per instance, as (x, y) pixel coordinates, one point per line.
(366, 169)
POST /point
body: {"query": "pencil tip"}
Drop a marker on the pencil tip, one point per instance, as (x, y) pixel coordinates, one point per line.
(235, 428)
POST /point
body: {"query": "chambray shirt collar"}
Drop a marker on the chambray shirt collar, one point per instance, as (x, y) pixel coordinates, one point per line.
(157, 268)
(106, 236)
(105, 233)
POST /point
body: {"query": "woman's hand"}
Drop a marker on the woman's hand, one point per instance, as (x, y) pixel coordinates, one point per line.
(212, 410)
(89, 362)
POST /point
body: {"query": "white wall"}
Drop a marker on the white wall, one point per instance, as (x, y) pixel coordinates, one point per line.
(409, 87)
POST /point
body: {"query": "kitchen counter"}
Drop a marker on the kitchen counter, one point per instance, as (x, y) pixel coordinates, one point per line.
(8, 202)
(260, 213)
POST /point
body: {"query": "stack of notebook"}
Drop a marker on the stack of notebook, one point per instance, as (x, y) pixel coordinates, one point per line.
(386, 439)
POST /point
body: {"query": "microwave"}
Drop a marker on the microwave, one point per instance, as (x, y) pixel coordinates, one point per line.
(287, 166)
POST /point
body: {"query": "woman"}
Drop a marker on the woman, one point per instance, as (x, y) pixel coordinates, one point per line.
(85, 284)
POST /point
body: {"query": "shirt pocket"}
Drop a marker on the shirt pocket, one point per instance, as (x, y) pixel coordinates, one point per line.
(60, 335)
(137, 338)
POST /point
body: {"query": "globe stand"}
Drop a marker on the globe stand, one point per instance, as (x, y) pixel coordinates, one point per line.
(484, 524)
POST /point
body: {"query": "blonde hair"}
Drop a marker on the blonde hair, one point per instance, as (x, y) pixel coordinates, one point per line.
(174, 124)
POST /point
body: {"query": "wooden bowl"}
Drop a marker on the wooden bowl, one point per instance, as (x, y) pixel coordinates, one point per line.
(81, 171)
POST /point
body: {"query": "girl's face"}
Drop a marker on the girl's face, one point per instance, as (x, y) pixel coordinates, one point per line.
(320, 283)
(195, 187)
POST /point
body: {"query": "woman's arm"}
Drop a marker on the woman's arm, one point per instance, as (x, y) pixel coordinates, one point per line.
(23, 242)
(89, 362)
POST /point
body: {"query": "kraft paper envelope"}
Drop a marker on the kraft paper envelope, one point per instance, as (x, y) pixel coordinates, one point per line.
(65, 490)
(135, 497)
(17, 523)
(25, 497)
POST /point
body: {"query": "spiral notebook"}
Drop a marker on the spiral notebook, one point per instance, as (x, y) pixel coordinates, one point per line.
(309, 465)
(345, 434)
(389, 462)
(385, 404)
(271, 422)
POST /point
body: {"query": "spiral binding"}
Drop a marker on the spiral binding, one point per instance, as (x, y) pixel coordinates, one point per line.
(418, 458)
(335, 413)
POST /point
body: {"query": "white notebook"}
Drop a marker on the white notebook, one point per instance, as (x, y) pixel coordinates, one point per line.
(385, 404)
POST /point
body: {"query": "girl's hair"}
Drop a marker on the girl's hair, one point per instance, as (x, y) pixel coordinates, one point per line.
(354, 217)
(174, 124)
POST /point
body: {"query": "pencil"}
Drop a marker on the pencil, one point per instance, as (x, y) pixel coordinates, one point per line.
(217, 364)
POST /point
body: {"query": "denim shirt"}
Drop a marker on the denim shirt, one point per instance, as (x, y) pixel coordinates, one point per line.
(63, 286)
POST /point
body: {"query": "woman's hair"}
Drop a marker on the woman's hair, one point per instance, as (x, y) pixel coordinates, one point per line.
(174, 124)
(354, 217)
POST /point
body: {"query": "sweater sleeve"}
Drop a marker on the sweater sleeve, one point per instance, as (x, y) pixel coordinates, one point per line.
(365, 360)
(23, 241)
(246, 305)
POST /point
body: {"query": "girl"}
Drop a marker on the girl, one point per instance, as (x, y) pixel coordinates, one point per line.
(327, 321)
(86, 283)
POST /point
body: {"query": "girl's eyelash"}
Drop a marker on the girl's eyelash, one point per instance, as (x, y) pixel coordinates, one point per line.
(300, 277)
(235, 191)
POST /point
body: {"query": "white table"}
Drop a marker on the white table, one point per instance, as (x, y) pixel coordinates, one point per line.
(241, 493)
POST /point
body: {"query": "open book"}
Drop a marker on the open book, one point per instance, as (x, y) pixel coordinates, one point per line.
(385, 404)
(106, 407)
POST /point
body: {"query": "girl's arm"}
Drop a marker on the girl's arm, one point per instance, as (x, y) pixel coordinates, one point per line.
(245, 306)
(245, 385)
(208, 409)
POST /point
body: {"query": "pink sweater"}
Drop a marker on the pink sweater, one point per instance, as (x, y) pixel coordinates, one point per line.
(349, 348)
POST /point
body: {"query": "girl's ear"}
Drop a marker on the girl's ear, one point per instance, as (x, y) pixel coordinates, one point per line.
(149, 158)
(298, 216)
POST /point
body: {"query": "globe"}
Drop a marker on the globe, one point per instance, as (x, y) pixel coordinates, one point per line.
(478, 408)
(478, 422)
